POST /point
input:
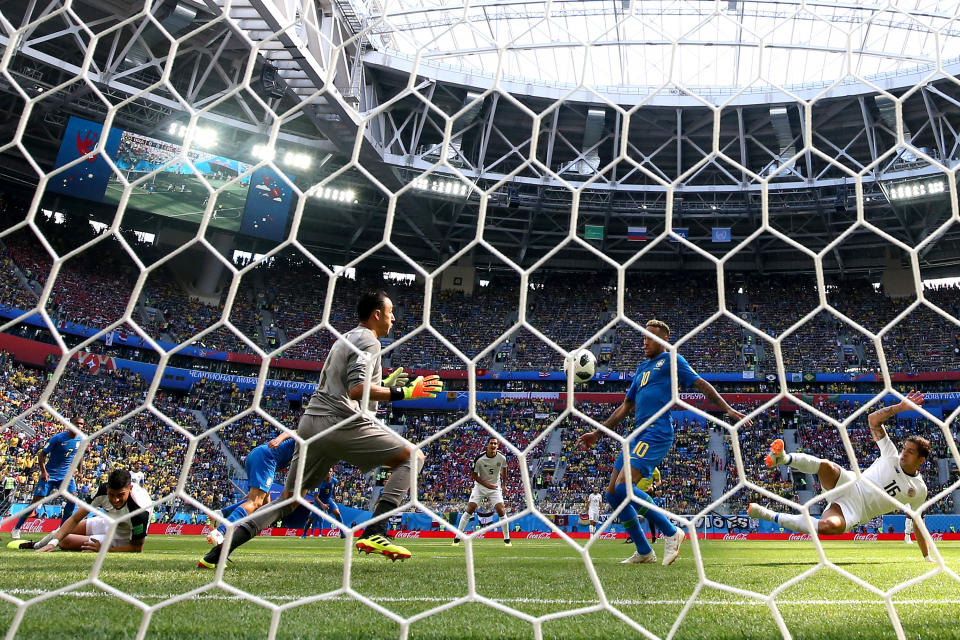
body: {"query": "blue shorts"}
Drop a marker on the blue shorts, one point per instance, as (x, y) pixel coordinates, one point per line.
(333, 506)
(43, 489)
(644, 456)
(260, 470)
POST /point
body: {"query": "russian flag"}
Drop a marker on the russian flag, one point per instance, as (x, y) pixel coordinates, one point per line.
(637, 234)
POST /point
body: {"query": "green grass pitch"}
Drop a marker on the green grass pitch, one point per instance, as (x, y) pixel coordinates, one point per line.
(537, 577)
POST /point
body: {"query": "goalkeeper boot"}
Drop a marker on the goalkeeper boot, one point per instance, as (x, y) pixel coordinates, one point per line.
(20, 544)
(383, 546)
(776, 455)
(636, 558)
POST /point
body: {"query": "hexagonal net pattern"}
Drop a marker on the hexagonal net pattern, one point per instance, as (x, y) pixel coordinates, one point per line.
(266, 29)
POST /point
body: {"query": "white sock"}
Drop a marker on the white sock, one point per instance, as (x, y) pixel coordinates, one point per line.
(794, 522)
(803, 462)
(40, 544)
(593, 529)
(505, 526)
(464, 519)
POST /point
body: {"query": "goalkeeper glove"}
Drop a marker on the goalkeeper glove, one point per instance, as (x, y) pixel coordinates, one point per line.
(422, 387)
(399, 378)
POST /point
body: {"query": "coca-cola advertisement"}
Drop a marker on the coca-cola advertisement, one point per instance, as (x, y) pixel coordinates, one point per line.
(735, 536)
(407, 534)
(866, 536)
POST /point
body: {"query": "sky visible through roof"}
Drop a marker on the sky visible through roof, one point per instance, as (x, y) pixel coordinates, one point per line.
(654, 42)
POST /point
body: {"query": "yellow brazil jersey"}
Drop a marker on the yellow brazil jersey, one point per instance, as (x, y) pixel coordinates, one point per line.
(644, 484)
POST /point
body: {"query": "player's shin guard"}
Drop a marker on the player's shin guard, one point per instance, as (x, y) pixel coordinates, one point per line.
(656, 519)
(628, 520)
(804, 463)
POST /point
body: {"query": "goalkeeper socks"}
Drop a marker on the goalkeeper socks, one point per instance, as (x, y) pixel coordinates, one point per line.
(656, 519)
(379, 528)
(803, 462)
(795, 522)
(465, 519)
(234, 515)
(628, 520)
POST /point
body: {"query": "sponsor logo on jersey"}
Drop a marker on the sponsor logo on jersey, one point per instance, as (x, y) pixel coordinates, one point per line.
(538, 535)
(911, 492)
(798, 536)
(659, 364)
(173, 530)
(734, 536)
(407, 534)
(865, 536)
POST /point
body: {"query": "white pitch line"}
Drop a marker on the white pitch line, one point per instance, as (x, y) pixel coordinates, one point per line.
(738, 603)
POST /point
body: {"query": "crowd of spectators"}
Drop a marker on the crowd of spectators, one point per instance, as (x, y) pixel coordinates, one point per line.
(282, 299)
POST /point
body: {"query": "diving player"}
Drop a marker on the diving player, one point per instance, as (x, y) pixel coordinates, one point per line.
(896, 473)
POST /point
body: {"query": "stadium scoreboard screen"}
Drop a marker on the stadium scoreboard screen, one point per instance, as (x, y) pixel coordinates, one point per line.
(255, 203)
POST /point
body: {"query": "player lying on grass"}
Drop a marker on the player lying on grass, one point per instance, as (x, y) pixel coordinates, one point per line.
(359, 441)
(118, 497)
(489, 476)
(897, 475)
(649, 393)
(261, 466)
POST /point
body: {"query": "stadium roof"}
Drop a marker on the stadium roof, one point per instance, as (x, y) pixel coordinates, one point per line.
(729, 43)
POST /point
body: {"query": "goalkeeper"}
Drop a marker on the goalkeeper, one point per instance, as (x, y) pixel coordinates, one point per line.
(358, 441)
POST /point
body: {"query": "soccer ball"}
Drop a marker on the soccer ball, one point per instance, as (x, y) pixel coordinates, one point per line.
(584, 365)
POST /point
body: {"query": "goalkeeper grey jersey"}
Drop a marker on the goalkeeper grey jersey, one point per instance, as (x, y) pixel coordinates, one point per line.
(343, 369)
(488, 469)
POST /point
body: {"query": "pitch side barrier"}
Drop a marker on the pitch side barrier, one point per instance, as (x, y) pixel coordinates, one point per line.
(32, 352)
(157, 529)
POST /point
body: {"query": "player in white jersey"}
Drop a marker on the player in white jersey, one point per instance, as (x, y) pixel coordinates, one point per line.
(489, 473)
(594, 501)
(896, 474)
(137, 477)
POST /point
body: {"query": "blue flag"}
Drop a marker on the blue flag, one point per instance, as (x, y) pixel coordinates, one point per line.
(721, 234)
(683, 232)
